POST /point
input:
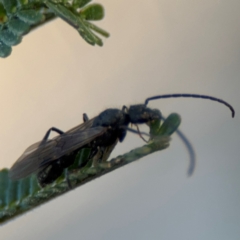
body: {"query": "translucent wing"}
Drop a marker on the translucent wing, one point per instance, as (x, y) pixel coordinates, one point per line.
(40, 154)
(82, 126)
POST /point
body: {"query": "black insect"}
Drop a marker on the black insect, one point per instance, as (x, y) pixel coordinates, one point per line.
(48, 158)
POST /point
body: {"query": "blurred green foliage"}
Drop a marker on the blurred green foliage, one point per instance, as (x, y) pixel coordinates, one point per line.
(19, 17)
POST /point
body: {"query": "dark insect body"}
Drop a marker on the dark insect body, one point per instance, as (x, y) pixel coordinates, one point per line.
(49, 158)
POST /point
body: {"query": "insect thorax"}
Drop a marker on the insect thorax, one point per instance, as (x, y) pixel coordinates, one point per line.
(140, 113)
(111, 117)
(114, 119)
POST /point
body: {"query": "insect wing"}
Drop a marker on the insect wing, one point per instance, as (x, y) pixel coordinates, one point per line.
(39, 155)
(73, 141)
(82, 126)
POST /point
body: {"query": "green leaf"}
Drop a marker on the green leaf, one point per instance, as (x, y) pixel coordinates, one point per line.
(34, 187)
(8, 38)
(170, 125)
(5, 50)
(86, 35)
(22, 2)
(93, 12)
(24, 187)
(75, 21)
(3, 14)
(18, 27)
(96, 29)
(18, 17)
(155, 125)
(64, 13)
(12, 193)
(80, 3)
(10, 5)
(30, 16)
(81, 158)
(3, 187)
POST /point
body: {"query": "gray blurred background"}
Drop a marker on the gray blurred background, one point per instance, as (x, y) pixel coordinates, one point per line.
(156, 47)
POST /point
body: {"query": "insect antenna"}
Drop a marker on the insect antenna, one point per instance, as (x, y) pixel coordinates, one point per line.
(191, 152)
(187, 95)
(190, 149)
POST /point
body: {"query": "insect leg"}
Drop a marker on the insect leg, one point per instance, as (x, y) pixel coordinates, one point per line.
(97, 156)
(105, 155)
(125, 109)
(49, 131)
(139, 133)
(53, 171)
(49, 174)
(94, 152)
(85, 117)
